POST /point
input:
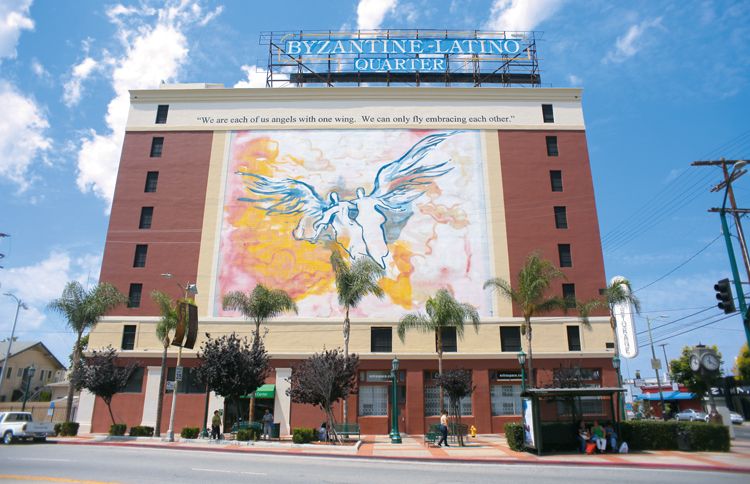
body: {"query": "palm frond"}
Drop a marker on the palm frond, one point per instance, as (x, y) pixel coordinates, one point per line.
(416, 321)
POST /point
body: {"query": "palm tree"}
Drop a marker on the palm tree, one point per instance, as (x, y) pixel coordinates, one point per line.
(259, 305)
(534, 279)
(617, 292)
(166, 324)
(83, 308)
(443, 311)
(353, 282)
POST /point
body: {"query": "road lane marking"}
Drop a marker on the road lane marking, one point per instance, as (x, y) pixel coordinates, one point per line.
(50, 479)
(43, 459)
(201, 469)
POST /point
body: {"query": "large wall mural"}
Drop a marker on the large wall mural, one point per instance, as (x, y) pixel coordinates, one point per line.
(412, 201)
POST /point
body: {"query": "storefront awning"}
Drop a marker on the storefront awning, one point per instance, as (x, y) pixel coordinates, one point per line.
(667, 396)
(264, 391)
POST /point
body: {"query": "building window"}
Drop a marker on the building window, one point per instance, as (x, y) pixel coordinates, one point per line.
(574, 338)
(157, 144)
(505, 399)
(381, 340)
(189, 383)
(128, 337)
(373, 400)
(552, 146)
(152, 178)
(432, 400)
(147, 215)
(448, 337)
(140, 255)
(7, 375)
(510, 338)
(561, 218)
(610, 345)
(134, 295)
(547, 114)
(161, 113)
(135, 382)
(569, 294)
(19, 373)
(555, 179)
(566, 259)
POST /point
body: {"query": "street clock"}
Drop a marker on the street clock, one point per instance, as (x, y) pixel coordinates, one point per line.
(710, 361)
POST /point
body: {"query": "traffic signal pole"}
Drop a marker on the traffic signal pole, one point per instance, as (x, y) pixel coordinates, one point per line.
(735, 273)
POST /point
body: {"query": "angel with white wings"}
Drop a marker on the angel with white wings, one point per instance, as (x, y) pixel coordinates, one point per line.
(369, 222)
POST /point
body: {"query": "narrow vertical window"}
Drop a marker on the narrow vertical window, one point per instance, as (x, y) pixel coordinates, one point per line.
(510, 338)
(128, 337)
(574, 338)
(448, 336)
(147, 216)
(555, 179)
(139, 260)
(566, 259)
(161, 113)
(134, 295)
(547, 113)
(561, 218)
(157, 145)
(552, 146)
(381, 340)
(569, 295)
(152, 178)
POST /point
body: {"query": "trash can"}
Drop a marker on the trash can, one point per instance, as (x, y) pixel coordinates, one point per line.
(275, 430)
(683, 440)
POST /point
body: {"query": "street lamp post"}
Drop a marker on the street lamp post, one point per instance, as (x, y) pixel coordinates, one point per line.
(19, 305)
(655, 366)
(616, 366)
(522, 361)
(395, 435)
(29, 375)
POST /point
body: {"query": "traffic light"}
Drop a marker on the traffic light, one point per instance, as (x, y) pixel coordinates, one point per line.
(724, 295)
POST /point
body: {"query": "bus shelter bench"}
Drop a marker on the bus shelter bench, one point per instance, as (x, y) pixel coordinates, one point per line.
(347, 429)
(432, 435)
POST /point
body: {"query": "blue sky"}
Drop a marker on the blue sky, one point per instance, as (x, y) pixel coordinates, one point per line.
(665, 83)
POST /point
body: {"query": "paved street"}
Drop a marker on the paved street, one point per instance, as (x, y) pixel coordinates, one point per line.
(77, 463)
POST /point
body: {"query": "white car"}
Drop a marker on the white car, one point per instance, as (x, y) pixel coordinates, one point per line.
(736, 418)
(20, 426)
(691, 415)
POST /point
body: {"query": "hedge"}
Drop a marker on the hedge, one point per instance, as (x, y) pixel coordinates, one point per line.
(117, 429)
(190, 432)
(514, 436)
(141, 431)
(66, 429)
(303, 435)
(244, 435)
(672, 435)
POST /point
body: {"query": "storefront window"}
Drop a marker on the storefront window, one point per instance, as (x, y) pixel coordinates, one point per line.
(432, 402)
(373, 400)
(505, 399)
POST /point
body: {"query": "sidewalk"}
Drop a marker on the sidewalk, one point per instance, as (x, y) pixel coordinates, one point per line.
(483, 448)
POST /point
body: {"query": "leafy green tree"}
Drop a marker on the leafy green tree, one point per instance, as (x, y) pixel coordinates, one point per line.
(743, 364)
(100, 374)
(456, 384)
(353, 282)
(167, 323)
(530, 294)
(322, 380)
(695, 381)
(442, 311)
(259, 305)
(82, 308)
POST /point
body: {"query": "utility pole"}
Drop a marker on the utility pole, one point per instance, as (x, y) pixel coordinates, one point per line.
(737, 171)
(655, 365)
(666, 361)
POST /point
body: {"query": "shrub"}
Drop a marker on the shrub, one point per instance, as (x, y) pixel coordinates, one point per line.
(117, 429)
(244, 435)
(141, 431)
(514, 436)
(67, 429)
(303, 435)
(710, 437)
(190, 432)
(659, 435)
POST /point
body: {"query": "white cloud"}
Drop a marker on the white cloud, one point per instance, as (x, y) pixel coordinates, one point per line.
(626, 46)
(14, 18)
(255, 77)
(22, 135)
(38, 69)
(574, 80)
(154, 51)
(370, 13)
(80, 72)
(520, 15)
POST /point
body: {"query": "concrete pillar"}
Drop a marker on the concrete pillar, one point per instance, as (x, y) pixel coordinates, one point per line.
(151, 396)
(283, 404)
(481, 407)
(414, 402)
(85, 412)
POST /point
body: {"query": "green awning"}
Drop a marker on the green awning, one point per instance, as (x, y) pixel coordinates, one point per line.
(264, 391)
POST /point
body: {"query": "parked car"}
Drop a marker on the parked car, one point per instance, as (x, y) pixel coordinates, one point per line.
(736, 418)
(691, 415)
(21, 426)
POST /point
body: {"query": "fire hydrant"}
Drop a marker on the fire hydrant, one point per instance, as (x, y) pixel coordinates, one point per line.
(473, 431)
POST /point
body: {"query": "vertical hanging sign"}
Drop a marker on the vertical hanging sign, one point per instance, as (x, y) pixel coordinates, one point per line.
(624, 325)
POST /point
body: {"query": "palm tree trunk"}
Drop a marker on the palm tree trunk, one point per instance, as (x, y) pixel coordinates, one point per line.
(256, 340)
(160, 401)
(439, 339)
(346, 355)
(71, 389)
(532, 382)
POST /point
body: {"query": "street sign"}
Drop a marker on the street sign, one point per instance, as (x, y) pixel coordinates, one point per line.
(51, 404)
(170, 386)
(656, 363)
(638, 382)
(178, 374)
(50, 411)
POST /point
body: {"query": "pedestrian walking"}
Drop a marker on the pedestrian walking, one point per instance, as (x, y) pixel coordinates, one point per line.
(443, 429)
(216, 425)
(267, 424)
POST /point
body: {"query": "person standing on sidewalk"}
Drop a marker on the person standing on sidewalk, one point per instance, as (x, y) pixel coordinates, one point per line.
(267, 424)
(215, 425)
(443, 429)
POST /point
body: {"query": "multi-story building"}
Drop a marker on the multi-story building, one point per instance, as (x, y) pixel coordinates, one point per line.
(443, 187)
(18, 377)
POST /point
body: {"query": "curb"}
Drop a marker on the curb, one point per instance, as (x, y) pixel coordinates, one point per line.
(445, 460)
